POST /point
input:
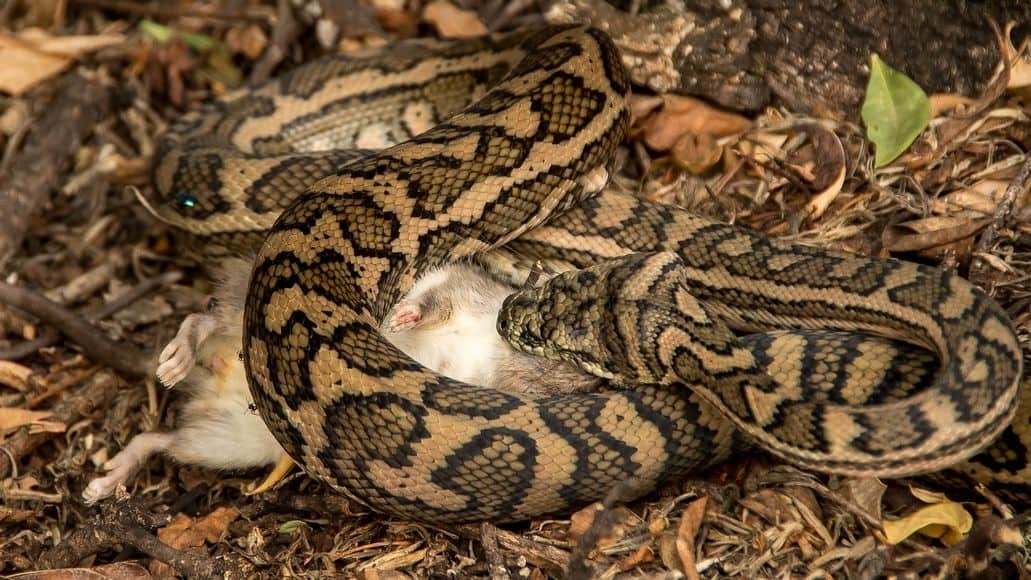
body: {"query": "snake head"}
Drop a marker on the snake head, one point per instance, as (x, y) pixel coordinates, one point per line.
(554, 321)
(519, 322)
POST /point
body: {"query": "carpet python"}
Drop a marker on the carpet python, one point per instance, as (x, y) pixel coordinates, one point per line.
(356, 173)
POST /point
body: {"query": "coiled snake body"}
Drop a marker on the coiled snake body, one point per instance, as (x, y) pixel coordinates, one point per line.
(516, 173)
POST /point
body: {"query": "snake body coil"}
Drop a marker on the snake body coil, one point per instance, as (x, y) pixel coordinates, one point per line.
(516, 170)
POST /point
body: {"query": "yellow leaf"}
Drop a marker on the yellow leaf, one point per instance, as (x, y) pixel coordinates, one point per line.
(947, 520)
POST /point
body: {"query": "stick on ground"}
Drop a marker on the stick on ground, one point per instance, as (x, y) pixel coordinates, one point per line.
(124, 358)
(35, 171)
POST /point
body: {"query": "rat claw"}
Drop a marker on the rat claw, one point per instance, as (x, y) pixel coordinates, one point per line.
(275, 476)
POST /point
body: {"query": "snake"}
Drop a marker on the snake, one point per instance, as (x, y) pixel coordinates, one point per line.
(352, 175)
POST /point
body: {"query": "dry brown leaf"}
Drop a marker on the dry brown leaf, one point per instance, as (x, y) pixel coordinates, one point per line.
(805, 503)
(690, 520)
(394, 16)
(642, 555)
(696, 153)
(980, 198)
(453, 22)
(581, 521)
(26, 482)
(995, 262)
(71, 46)
(668, 551)
(23, 67)
(770, 506)
(681, 115)
(821, 161)
(249, 41)
(14, 375)
(930, 232)
(13, 417)
(35, 56)
(168, 68)
(928, 496)
(643, 105)
(15, 117)
(866, 493)
(615, 524)
(762, 146)
(805, 497)
(10, 516)
(657, 525)
(383, 575)
(118, 570)
(186, 532)
(404, 557)
(1020, 61)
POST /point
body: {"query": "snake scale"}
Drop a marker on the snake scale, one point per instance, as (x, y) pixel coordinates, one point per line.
(356, 173)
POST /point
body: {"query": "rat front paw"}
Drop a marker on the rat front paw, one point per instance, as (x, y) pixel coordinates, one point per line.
(405, 316)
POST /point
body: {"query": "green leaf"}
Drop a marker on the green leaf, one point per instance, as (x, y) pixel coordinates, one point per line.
(292, 525)
(162, 34)
(895, 111)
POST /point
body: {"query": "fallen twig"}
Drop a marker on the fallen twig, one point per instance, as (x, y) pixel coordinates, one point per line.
(101, 312)
(495, 561)
(34, 172)
(284, 34)
(126, 521)
(551, 560)
(124, 358)
(165, 11)
(1002, 213)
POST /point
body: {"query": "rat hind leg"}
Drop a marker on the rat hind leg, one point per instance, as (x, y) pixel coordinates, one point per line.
(124, 465)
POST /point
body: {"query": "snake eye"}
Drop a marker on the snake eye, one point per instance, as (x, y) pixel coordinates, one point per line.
(503, 325)
(185, 201)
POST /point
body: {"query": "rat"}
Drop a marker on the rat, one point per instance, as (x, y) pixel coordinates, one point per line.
(447, 322)
(217, 427)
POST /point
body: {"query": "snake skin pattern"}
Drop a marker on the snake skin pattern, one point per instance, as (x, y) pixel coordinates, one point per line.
(634, 320)
(492, 147)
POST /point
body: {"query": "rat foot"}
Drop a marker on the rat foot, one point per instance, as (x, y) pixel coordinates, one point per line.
(178, 357)
(122, 466)
(406, 315)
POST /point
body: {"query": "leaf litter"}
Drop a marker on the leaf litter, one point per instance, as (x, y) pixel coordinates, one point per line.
(812, 180)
